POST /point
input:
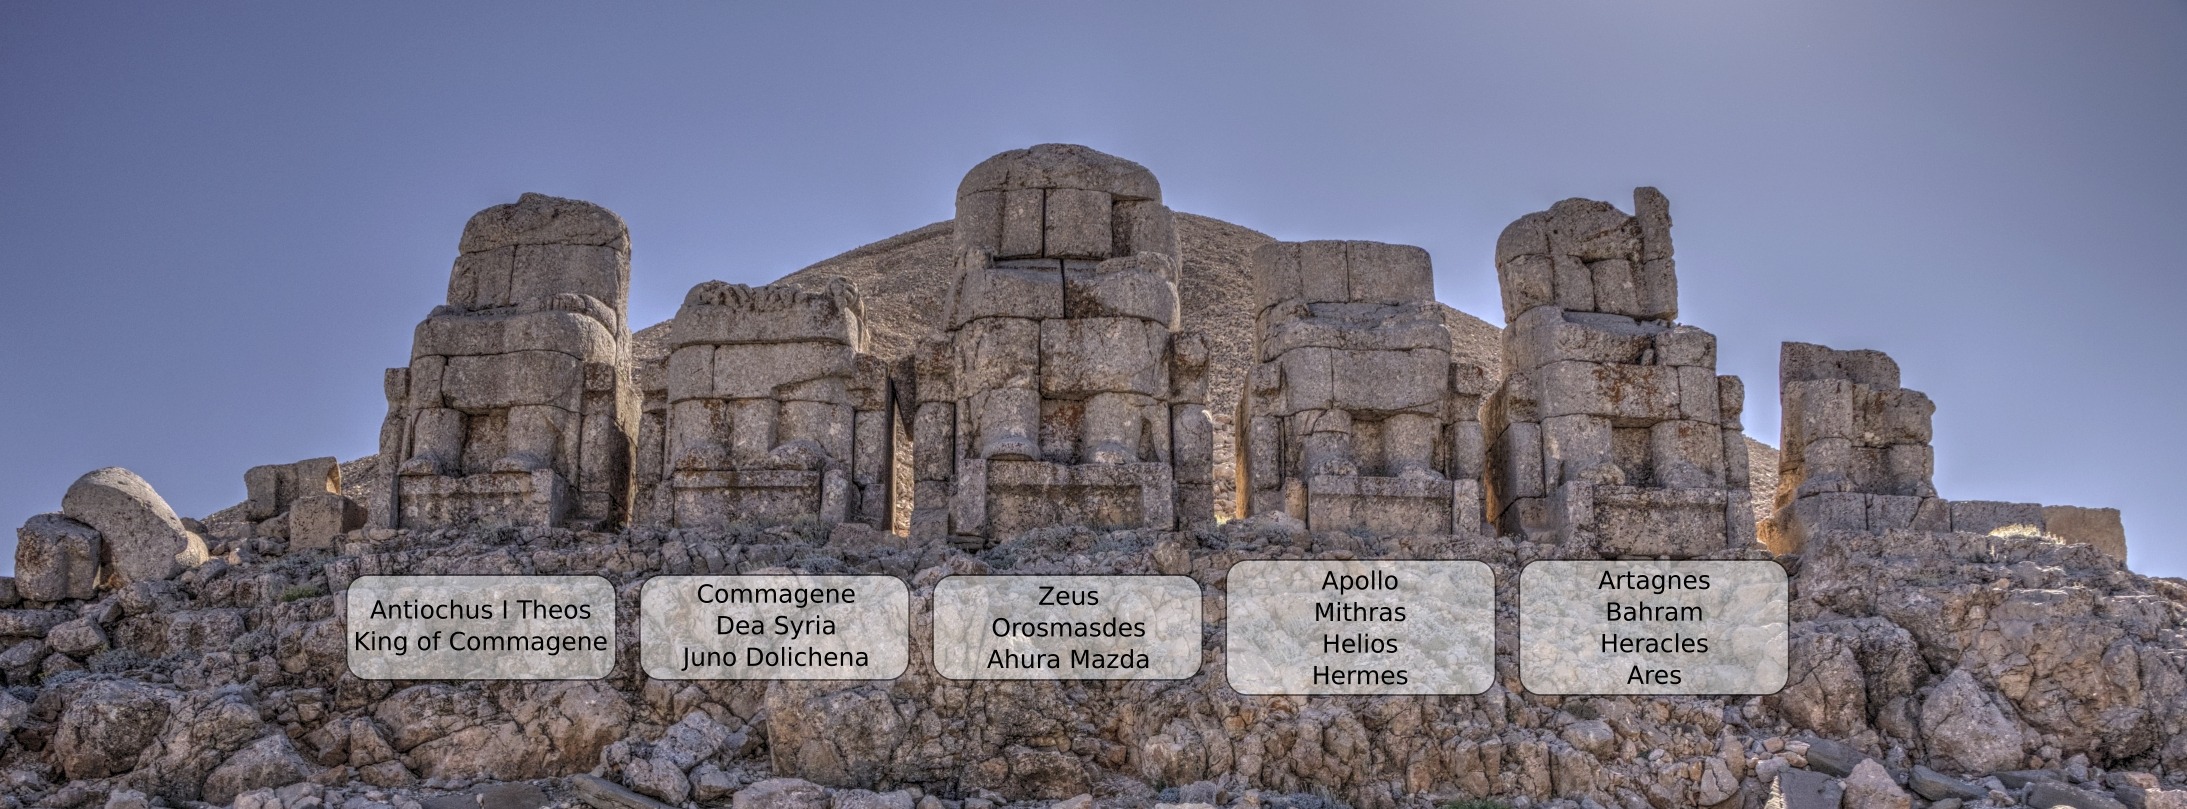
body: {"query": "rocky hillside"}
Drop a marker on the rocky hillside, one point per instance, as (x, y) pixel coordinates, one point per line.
(1934, 670)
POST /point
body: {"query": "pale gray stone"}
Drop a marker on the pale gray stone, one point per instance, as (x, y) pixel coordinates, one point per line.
(1985, 516)
(77, 638)
(604, 794)
(1388, 273)
(541, 219)
(1964, 729)
(1575, 284)
(1082, 357)
(1024, 223)
(1869, 786)
(1641, 392)
(2052, 794)
(268, 763)
(318, 521)
(1528, 282)
(105, 726)
(140, 535)
(1134, 286)
(1937, 786)
(781, 793)
(2099, 527)
(1032, 292)
(719, 313)
(56, 559)
(1078, 224)
(1800, 789)
(868, 799)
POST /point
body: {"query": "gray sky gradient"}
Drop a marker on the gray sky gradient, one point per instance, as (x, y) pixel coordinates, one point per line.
(223, 221)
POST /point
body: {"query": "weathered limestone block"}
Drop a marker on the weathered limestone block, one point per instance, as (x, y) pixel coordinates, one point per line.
(273, 487)
(316, 521)
(1357, 417)
(518, 406)
(1063, 390)
(1987, 516)
(1850, 427)
(2091, 526)
(1855, 452)
(140, 536)
(774, 411)
(1611, 422)
(56, 559)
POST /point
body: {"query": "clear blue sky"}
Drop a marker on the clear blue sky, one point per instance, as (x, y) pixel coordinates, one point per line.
(223, 221)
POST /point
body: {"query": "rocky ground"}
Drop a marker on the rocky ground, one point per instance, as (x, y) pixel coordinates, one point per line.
(1926, 669)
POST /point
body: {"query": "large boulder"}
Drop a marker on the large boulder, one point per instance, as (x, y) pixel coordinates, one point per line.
(268, 763)
(142, 538)
(56, 559)
(1965, 730)
(106, 726)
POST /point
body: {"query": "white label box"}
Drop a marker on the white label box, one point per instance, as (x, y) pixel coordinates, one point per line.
(1349, 627)
(1695, 627)
(480, 627)
(774, 627)
(1067, 627)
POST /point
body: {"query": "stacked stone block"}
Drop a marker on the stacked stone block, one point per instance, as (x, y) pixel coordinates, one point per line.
(273, 491)
(1857, 457)
(774, 410)
(1611, 425)
(1355, 416)
(517, 407)
(1062, 393)
(1855, 449)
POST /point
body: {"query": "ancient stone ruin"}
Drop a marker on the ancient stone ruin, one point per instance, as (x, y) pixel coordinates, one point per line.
(773, 411)
(1610, 426)
(1356, 416)
(517, 407)
(1024, 391)
(1063, 392)
(1856, 457)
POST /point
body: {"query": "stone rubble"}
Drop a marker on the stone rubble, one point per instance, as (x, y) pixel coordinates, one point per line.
(1945, 654)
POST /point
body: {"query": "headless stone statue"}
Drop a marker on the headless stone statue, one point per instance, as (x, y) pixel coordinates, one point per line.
(517, 407)
(1063, 386)
(774, 410)
(1355, 416)
(1611, 425)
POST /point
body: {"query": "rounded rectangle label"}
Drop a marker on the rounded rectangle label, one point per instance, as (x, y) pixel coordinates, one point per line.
(1352, 627)
(480, 627)
(1694, 627)
(774, 627)
(1067, 627)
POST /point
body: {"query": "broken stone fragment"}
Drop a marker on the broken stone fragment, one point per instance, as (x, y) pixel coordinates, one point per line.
(316, 521)
(56, 558)
(273, 487)
(1870, 787)
(140, 535)
(268, 763)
